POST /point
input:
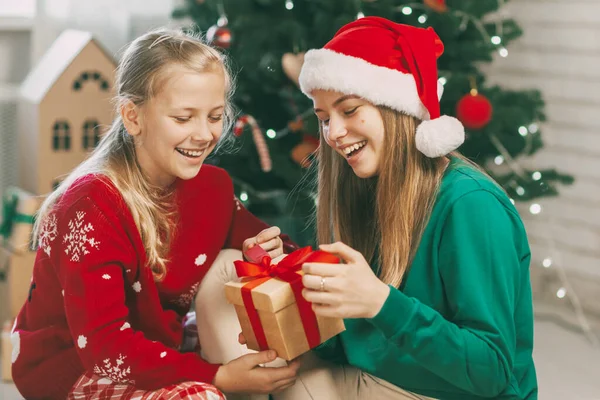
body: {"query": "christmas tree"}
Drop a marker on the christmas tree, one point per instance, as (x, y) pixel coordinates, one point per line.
(277, 132)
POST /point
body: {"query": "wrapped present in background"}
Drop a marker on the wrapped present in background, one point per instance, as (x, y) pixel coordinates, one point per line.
(18, 210)
(269, 304)
(16, 255)
(6, 354)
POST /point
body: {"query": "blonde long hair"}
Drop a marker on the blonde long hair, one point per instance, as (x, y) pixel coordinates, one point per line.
(138, 79)
(387, 213)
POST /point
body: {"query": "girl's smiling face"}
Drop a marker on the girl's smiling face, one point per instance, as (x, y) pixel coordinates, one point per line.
(353, 127)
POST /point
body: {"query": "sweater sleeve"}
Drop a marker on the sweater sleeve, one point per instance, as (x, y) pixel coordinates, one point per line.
(94, 261)
(245, 225)
(332, 350)
(472, 348)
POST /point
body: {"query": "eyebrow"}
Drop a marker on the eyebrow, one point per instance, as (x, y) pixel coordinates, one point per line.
(340, 100)
(194, 109)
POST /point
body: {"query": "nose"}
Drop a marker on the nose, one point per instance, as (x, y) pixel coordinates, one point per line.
(202, 132)
(336, 129)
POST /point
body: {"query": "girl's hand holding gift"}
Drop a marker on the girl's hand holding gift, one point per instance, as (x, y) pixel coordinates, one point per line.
(350, 290)
(247, 375)
(268, 239)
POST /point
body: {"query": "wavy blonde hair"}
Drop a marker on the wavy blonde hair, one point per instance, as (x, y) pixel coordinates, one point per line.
(387, 213)
(138, 78)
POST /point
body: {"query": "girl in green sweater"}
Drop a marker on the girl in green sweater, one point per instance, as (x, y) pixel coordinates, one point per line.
(434, 287)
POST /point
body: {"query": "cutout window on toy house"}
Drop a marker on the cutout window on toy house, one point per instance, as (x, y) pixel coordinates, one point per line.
(61, 136)
(91, 76)
(91, 134)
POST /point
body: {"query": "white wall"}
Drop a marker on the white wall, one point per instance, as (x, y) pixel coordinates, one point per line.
(559, 54)
(113, 22)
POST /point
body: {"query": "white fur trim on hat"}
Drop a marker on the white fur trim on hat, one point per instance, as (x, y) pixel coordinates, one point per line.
(327, 70)
(438, 137)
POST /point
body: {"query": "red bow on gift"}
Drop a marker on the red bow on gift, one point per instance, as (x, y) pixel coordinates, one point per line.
(286, 270)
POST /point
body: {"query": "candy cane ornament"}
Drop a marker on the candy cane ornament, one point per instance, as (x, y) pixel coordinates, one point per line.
(259, 140)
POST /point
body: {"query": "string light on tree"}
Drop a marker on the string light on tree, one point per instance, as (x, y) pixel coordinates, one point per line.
(422, 19)
(244, 196)
(523, 131)
(535, 209)
(533, 128)
(360, 15)
(499, 160)
(496, 40)
(547, 262)
(407, 10)
(537, 175)
(289, 4)
(520, 191)
(271, 134)
(503, 52)
(561, 293)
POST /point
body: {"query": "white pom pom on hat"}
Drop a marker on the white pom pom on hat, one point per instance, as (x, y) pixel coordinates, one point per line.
(388, 64)
(440, 136)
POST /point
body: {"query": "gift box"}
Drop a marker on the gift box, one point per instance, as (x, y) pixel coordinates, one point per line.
(6, 352)
(270, 307)
(18, 209)
(19, 270)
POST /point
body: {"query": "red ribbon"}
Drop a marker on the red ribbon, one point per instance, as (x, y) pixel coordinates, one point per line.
(286, 270)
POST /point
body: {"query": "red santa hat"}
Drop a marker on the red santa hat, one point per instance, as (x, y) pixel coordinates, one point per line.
(392, 65)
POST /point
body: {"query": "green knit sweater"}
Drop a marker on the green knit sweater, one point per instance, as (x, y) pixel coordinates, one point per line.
(461, 326)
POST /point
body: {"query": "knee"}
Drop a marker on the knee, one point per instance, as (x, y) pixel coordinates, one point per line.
(229, 254)
(223, 265)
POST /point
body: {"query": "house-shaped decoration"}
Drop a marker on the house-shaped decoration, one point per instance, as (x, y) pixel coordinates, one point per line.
(64, 106)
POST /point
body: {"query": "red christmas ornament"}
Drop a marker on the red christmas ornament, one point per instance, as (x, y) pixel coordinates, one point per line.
(474, 110)
(220, 36)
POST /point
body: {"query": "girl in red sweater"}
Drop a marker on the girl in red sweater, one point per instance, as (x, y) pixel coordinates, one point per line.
(127, 238)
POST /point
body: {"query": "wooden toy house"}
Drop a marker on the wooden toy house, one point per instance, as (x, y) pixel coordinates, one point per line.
(64, 105)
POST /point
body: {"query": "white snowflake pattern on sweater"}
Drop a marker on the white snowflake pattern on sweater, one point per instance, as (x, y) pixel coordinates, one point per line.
(200, 260)
(186, 299)
(48, 233)
(116, 372)
(81, 341)
(78, 242)
(137, 286)
(15, 339)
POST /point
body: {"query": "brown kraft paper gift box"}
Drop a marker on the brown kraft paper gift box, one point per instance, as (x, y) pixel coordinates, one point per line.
(279, 316)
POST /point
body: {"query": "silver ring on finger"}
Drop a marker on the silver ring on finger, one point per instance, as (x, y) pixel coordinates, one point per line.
(322, 284)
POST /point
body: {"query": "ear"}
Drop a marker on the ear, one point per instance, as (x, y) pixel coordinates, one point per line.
(132, 118)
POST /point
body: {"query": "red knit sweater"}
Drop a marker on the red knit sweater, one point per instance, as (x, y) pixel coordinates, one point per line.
(94, 305)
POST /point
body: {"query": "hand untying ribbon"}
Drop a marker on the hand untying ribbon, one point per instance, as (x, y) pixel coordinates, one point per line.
(256, 273)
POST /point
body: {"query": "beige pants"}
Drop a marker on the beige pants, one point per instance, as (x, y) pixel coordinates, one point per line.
(218, 330)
